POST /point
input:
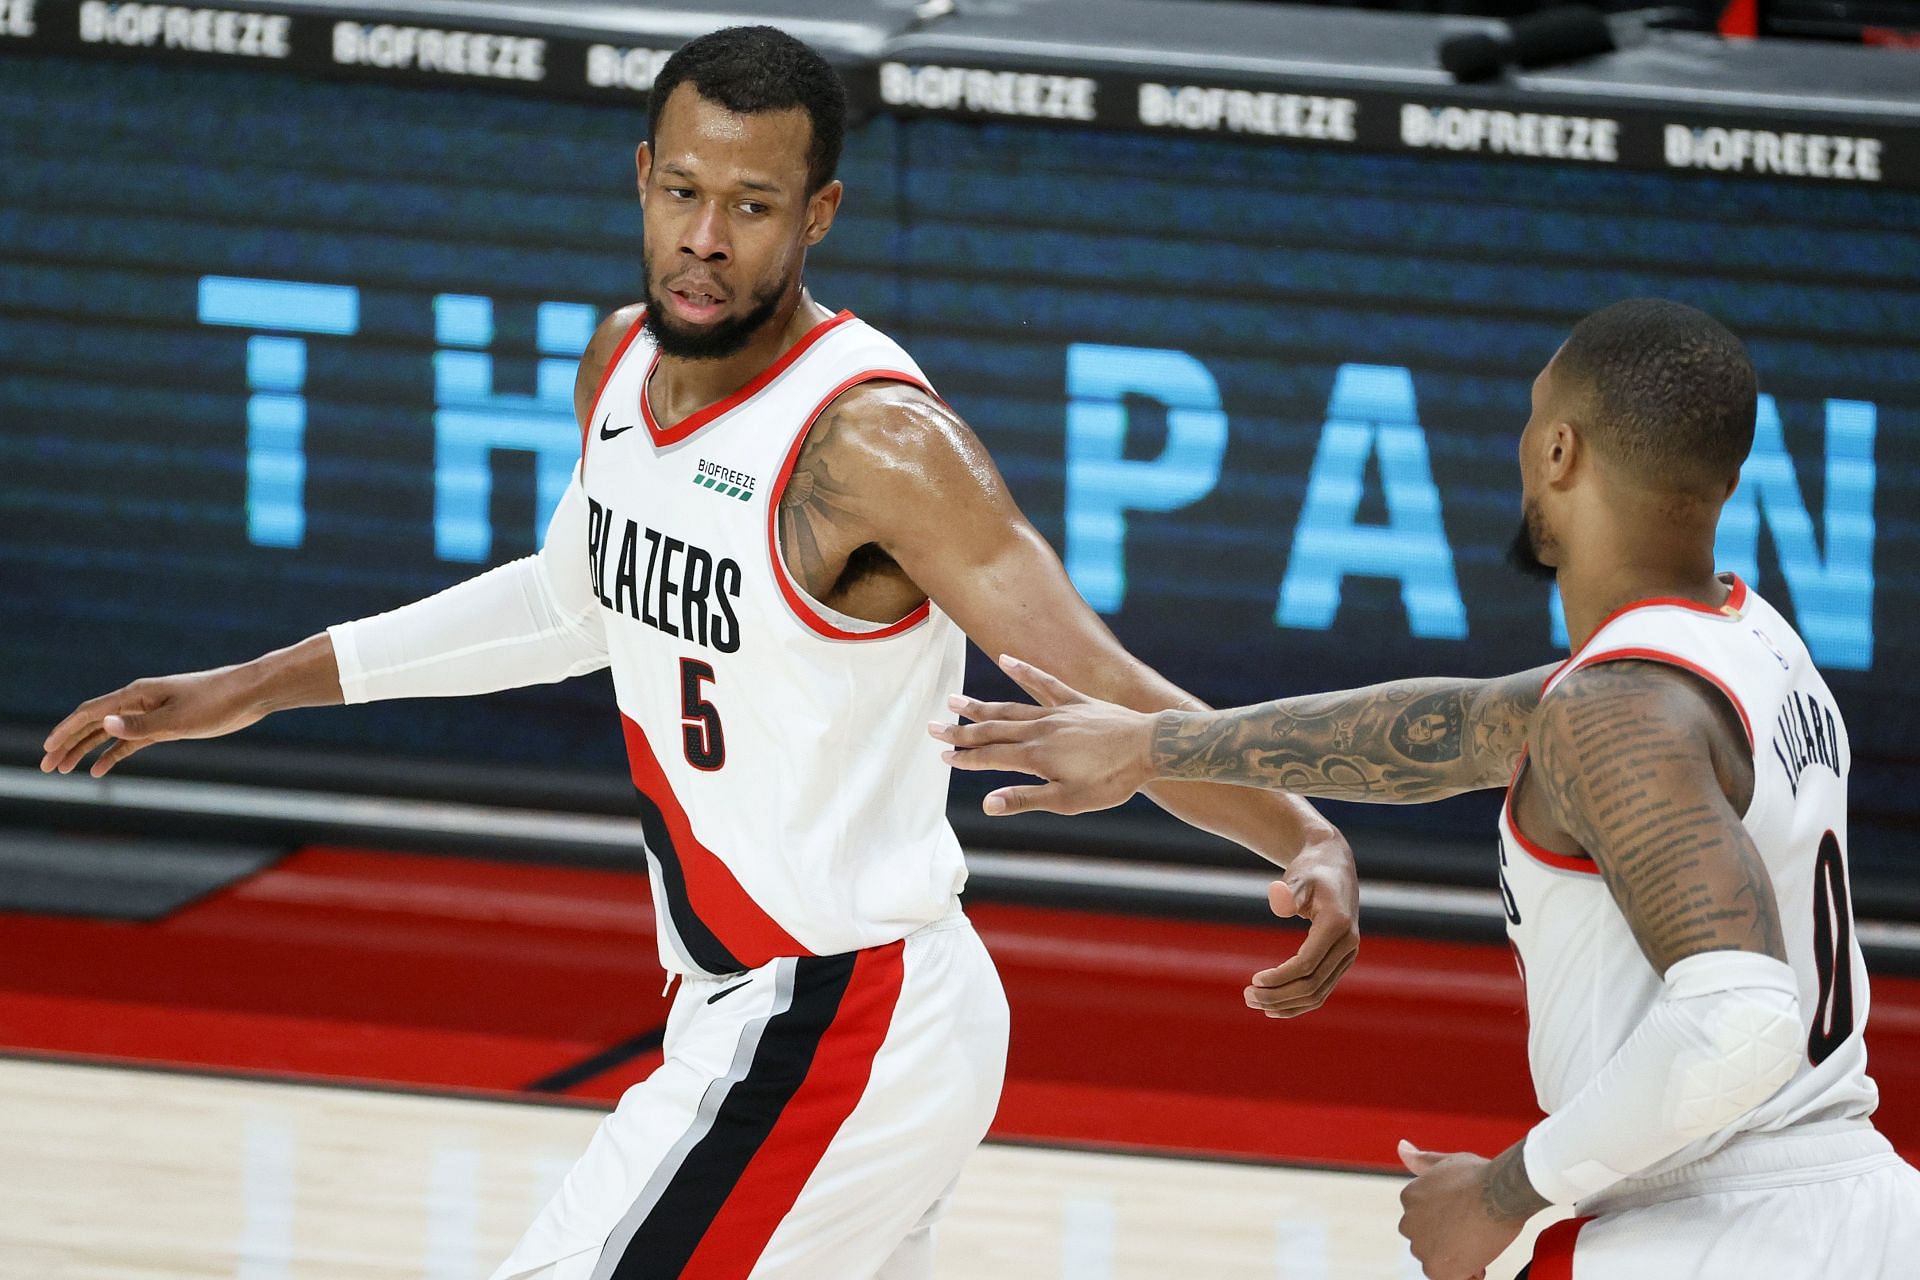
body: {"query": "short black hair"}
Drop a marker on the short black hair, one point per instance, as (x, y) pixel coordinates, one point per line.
(753, 69)
(1669, 390)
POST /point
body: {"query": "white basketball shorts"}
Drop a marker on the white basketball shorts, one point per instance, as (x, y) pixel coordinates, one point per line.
(1833, 1200)
(809, 1120)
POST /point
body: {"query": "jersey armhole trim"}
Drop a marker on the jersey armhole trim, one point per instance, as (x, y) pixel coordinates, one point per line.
(803, 606)
(1641, 653)
(606, 376)
(1545, 857)
(1632, 654)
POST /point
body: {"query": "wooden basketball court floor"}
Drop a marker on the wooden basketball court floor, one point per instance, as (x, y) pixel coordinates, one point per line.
(359, 1064)
(108, 1173)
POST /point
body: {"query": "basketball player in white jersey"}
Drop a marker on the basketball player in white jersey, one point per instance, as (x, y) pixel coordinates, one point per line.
(1673, 851)
(776, 537)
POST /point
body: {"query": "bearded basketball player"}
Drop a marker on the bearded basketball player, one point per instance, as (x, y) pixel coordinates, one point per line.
(1673, 851)
(776, 537)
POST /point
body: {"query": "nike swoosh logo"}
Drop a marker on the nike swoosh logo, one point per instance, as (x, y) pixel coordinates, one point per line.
(729, 991)
(608, 435)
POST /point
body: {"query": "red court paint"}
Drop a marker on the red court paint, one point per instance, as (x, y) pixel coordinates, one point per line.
(477, 975)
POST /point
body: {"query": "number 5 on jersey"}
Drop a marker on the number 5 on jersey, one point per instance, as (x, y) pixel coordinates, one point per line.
(706, 745)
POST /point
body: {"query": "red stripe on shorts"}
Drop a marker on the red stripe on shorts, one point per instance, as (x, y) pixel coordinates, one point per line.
(835, 1083)
(1553, 1251)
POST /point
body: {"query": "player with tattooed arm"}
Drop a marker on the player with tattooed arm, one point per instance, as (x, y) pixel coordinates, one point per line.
(1673, 851)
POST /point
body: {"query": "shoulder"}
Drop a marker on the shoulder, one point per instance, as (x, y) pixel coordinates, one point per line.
(896, 433)
(1613, 711)
(615, 327)
(606, 340)
(612, 330)
(901, 464)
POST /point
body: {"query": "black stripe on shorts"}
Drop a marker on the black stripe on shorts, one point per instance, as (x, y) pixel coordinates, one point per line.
(662, 1244)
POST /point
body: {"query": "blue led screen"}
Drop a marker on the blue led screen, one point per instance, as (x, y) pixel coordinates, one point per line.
(277, 352)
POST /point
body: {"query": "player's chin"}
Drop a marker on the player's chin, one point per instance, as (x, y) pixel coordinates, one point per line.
(689, 330)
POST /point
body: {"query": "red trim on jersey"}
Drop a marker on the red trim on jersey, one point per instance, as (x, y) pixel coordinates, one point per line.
(1641, 654)
(1520, 963)
(1630, 654)
(743, 928)
(1553, 1251)
(835, 1082)
(1552, 676)
(1734, 605)
(663, 437)
(797, 600)
(606, 376)
(1562, 861)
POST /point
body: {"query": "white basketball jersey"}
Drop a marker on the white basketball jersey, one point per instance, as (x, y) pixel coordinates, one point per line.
(1588, 984)
(792, 801)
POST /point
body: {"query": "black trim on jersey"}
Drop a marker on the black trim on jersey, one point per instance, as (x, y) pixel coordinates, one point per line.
(665, 1241)
(703, 947)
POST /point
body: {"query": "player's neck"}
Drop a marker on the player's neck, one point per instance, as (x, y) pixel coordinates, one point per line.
(1629, 561)
(683, 387)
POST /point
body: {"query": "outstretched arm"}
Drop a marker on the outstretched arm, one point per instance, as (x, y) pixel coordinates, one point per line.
(1644, 770)
(529, 622)
(1406, 742)
(929, 497)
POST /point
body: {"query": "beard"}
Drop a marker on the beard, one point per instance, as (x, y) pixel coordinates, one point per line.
(716, 341)
(1523, 553)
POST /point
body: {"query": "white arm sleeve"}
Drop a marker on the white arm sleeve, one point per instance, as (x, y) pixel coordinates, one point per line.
(1721, 1041)
(533, 621)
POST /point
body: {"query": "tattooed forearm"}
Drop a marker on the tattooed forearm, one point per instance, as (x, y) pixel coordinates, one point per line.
(1507, 1193)
(1624, 754)
(1402, 743)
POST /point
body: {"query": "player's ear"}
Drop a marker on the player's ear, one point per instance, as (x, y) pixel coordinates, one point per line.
(1561, 455)
(822, 205)
(642, 168)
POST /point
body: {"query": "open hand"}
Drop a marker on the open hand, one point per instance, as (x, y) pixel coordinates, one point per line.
(1091, 754)
(200, 704)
